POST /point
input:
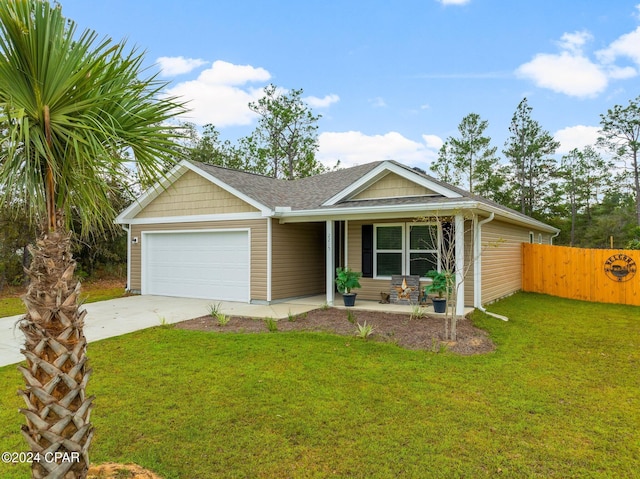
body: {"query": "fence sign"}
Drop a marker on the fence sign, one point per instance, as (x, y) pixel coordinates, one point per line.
(599, 275)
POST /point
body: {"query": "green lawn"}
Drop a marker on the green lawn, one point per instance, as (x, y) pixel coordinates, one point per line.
(12, 305)
(559, 398)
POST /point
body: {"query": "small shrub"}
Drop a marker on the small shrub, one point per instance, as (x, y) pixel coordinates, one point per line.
(222, 319)
(364, 330)
(633, 244)
(214, 310)
(351, 317)
(272, 324)
(164, 323)
(417, 312)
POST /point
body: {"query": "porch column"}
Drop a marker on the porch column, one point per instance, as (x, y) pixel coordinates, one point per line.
(330, 260)
(459, 244)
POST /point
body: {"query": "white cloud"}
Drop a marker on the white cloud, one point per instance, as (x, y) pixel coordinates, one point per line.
(433, 142)
(453, 2)
(172, 66)
(574, 42)
(225, 73)
(577, 136)
(628, 45)
(315, 102)
(378, 102)
(355, 148)
(220, 96)
(573, 73)
(570, 71)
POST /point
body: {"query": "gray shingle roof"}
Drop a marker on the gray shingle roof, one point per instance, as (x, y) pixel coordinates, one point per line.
(300, 194)
(310, 193)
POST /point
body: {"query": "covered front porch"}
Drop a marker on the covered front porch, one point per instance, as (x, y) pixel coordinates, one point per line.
(357, 243)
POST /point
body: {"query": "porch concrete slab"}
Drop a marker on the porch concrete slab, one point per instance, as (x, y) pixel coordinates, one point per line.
(368, 305)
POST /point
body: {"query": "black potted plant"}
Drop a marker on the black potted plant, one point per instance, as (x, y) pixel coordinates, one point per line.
(441, 284)
(346, 280)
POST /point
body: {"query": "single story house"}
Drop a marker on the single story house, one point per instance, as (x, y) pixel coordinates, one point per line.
(210, 232)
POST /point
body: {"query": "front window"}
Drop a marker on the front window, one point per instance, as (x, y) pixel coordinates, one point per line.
(389, 252)
(406, 248)
(423, 249)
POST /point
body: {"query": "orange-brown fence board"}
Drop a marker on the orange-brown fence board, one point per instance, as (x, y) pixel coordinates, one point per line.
(599, 275)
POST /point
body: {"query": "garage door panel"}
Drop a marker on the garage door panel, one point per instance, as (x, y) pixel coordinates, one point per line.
(211, 265)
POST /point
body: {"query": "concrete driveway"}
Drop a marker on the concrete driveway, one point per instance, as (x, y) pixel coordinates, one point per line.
(115, 317)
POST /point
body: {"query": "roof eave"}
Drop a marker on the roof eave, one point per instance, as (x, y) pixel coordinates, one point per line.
(397, 211)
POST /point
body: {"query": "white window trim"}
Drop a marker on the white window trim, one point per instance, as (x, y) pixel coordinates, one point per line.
(376, 250)
(406, 247)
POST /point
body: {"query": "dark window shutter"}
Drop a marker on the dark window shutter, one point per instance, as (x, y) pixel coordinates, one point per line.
(367, 251)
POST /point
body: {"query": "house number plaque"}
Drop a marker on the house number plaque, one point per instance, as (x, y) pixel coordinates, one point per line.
(620, 267)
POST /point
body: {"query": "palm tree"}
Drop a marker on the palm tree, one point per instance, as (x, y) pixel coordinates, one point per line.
(75, 110)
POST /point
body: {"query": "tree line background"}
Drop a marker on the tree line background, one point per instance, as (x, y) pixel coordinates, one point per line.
(591, 194)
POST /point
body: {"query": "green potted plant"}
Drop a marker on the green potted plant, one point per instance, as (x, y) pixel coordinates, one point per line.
(346, 280)
(441, 284)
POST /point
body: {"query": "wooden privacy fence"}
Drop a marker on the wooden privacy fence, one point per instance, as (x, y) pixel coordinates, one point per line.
(599, 275)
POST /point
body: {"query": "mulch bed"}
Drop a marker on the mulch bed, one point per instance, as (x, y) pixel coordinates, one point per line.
(426, 333)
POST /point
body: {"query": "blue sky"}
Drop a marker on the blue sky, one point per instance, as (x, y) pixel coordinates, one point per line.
(391, 79)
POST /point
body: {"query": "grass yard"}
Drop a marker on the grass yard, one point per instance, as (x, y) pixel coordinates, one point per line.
(101, 290)
(559, 398)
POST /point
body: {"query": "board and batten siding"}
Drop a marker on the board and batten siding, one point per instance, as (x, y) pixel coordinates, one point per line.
(501, 258)
(298, 260)
(392, 186)
(258, 233)
(192, 194)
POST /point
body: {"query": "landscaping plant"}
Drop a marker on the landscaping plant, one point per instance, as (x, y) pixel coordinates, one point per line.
(73, 109)
(346, 280)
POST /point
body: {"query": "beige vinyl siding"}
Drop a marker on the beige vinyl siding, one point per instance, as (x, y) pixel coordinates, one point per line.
(258, 232)
(192, 194)
(502, 258)
(298, 259)
(392, 186)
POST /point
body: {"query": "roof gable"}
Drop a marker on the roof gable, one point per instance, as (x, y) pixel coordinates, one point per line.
(402, 176)
(192, 194)
(392, 185)
(154, 197)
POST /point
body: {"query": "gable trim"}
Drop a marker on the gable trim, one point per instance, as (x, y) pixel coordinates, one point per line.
(196, 218)
(380, 172)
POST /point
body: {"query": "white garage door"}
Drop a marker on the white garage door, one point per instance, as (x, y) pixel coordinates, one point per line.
(211, 265)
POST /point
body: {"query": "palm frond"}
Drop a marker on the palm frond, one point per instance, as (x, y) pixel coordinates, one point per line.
(100, 107)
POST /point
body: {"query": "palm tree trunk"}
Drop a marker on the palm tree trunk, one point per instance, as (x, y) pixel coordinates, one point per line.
(58, 430)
